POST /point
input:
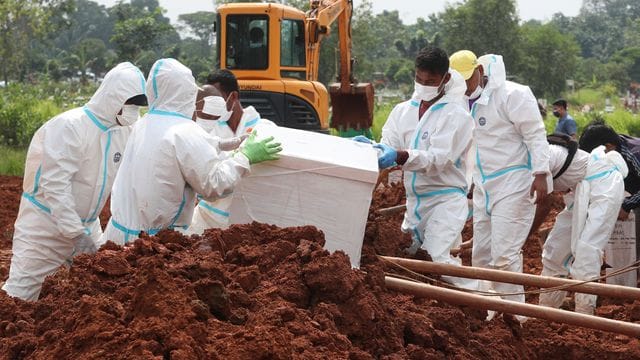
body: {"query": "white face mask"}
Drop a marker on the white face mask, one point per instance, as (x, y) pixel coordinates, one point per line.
(207, 125)
(129, 116)
(216, 106)
(476, 93)
(427, 93)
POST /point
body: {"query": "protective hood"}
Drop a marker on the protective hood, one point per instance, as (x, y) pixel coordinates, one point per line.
(121, 83)
(494, 69)
(455, 88)
(171, 88)
(614, 158)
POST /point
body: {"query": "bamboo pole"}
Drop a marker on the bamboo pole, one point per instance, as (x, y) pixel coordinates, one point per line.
(511, 307)
(391, 210)
(606, 290)
(465, 245)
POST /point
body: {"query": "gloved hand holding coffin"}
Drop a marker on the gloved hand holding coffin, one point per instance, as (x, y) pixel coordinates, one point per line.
(259, 151)
(387, 157)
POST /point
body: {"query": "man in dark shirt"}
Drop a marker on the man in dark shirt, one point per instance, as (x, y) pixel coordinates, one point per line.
(566, 124)
(598, 133)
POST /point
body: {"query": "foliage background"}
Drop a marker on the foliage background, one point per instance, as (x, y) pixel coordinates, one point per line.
(54, 52)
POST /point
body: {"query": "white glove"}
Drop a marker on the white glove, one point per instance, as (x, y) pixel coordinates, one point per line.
(232, 143)
(84, 244)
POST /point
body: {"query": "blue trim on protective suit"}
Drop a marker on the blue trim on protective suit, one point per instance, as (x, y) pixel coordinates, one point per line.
(152, 232)
(452, 190)
(435, 107)
(601, 174)
(95, 120)
(35, 202)
(486, 203)
(153, 80)
(565, 264)
(167, 113)
(215, 210)
(251, 122)
(36, 183)
(143, 83)
(180, 208)
(94, 214)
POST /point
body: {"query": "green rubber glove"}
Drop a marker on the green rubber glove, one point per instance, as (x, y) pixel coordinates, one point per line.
(259, 151)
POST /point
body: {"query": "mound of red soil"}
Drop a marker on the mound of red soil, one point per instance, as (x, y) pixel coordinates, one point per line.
(261, 292)
(10, 193)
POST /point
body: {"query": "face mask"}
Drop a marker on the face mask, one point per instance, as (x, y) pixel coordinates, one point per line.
(207, 125)
(427, 93)
(216, 106)
(129, 116)
(556, 114)
(476, 93)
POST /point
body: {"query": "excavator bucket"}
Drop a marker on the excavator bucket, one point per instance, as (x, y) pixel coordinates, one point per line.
(352, 108)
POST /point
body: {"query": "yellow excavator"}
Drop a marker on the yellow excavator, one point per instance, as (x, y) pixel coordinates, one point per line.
(274, 51)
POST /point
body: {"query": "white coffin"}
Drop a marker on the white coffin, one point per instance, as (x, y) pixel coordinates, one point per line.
(320, 180)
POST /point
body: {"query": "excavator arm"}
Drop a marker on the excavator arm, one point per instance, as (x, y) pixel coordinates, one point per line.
(352, 102)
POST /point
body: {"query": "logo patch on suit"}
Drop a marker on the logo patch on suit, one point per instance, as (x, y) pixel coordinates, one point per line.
(425, 135)
(116, 157)
(482, 121)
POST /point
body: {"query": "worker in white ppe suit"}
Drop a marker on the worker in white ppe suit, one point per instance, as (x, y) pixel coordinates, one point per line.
(169, 159)
(575, 245)
(512, 166)
(429, 136)
(231, 123)
(71, 164)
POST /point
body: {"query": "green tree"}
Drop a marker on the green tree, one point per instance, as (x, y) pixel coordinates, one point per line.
(22, 22)
(138, 29)
(600, 26)
(549, 58)
(483, 26)
(89, 54)
(89, 20)
(200, 24)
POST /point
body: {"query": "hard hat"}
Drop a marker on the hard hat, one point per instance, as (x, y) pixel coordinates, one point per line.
(464, 62)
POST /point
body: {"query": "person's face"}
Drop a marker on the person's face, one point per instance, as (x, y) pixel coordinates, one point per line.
(199, 114)
(474, 81)
(427, 78)
(232, 98)
(609, 146)
(559, 109)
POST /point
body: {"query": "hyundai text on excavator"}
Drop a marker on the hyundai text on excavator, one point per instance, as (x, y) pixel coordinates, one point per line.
(274, 51)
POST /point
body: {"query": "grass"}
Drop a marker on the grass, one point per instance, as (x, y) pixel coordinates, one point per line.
(12, 160)
(380, 115)
(621, 120)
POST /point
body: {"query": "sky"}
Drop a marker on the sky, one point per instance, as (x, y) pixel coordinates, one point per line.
(409, 10)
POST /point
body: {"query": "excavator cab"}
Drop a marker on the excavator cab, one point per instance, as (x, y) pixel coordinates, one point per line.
(274, 50)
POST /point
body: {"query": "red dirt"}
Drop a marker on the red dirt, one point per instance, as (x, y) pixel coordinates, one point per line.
(260, 292)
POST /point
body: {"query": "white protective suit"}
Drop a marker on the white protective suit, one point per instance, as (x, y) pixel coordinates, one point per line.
(71, 163)
(511, 147)
(168, 160)
(575, 245)
(215, 214)
(435, 170)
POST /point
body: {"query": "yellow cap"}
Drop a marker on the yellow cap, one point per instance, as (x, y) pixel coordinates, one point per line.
(464, 62)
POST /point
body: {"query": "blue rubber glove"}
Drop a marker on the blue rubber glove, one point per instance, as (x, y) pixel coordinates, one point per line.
(388, 156)
(362, 139)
